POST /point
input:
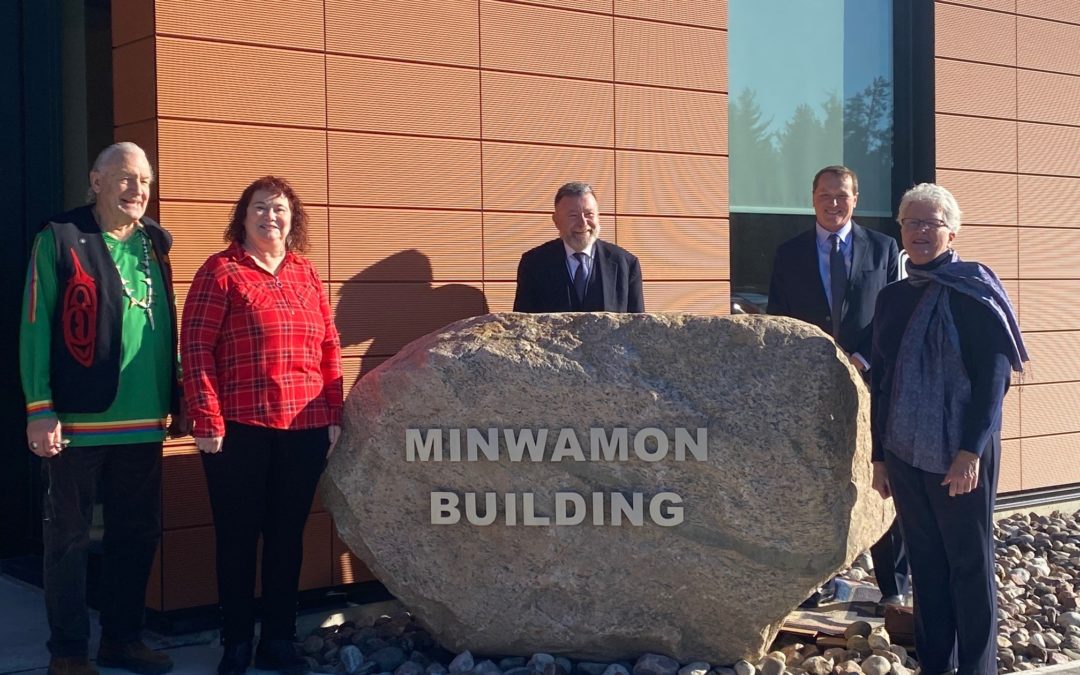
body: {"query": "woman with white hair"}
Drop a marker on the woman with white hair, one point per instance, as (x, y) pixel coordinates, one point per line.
(946, 341)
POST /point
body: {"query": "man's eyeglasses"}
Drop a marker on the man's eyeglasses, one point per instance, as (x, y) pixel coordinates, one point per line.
(921, 224)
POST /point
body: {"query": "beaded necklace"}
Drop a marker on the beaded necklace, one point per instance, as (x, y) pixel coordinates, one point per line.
(147, 303)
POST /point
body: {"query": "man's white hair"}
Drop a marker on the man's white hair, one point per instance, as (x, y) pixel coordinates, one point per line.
(110, 155)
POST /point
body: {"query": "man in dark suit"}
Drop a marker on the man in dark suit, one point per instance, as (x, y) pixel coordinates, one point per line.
(830, 276)
(578, 272)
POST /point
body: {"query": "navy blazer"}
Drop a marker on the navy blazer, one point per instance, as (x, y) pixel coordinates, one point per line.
(543, 283)
(796, 289)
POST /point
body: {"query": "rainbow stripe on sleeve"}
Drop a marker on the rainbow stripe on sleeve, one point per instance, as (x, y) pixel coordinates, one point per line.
(38, 410)
(92, 429)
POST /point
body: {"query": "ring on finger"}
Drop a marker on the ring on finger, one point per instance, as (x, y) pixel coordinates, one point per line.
(33, 445)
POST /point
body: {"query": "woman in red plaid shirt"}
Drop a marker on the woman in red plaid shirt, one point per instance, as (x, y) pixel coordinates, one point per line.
(262, 379)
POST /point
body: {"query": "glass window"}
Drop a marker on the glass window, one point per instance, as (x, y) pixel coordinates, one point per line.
(811, 84)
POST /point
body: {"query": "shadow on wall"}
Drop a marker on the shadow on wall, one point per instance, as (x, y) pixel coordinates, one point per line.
(394, 302)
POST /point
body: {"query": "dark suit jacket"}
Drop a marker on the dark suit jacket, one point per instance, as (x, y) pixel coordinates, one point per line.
(796, 289)
(544, 285)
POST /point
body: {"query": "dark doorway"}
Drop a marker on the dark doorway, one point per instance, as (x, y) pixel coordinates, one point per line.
(56, 114)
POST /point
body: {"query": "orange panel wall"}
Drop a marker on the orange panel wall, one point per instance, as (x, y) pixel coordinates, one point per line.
(427, 138)
(1008, 145)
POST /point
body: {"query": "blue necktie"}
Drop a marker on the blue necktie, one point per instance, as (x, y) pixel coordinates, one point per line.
(581, 276)
(837, 282)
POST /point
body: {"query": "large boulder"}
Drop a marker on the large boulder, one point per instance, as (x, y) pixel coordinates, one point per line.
(774, 498)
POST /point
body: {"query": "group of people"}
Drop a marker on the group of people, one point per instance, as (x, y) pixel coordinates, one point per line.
(261, 392)
(937, 344)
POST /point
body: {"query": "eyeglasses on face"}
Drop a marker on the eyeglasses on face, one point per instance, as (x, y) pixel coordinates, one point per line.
(921, 223)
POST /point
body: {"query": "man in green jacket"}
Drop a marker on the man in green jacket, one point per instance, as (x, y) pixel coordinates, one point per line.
(98, 359)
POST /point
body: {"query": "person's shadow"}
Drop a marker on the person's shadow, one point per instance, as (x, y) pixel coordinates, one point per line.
(393, 302)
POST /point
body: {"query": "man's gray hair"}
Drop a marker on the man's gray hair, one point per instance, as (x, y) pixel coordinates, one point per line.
(110, 155)
(936, 196)
(574, 189)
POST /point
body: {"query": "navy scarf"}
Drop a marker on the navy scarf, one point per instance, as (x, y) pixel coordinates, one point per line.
(931, 388)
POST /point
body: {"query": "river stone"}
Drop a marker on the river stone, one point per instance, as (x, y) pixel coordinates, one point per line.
(785, 413)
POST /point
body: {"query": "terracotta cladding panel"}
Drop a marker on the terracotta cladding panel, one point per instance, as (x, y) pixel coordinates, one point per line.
(508, 235)
(145, 135)
(1049, 201)
(198, 230)
(975, 89)
(134, 82)
(238, 83)
(998, 5)
(500, 295)
(1048, 97)
(1048, 149)
(977, 144)
(992, 246)
(131, 20)
(525, 177)
(1047, 45)
(187, 563)
(695, 297)
(353, 368)
(183, 492)
(1010, 412)
(711, 14)
(1010, 473)
(1051, 409)
(671, 120)
(1059, 10)
(347, 568)
(205, 161)
(601, 6)
(975, 34)
(534, 109)
(670, 56)
(985, 198)
(317, 568)
(244, 21)
(1049, 305)
(672, 185)
(1051, 461)
(559, 42)
(436, 31)
(396, 245)
(677, 249)
(378, 319)
(1049, 254)
(404, 98)
(368, 170)
(1055, 357)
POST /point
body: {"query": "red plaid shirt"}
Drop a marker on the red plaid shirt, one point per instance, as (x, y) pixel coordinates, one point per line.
(259, 348)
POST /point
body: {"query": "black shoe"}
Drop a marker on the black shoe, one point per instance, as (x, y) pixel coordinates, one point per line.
(134, 656)
(887, 601)
(280, 655)
(236, 659)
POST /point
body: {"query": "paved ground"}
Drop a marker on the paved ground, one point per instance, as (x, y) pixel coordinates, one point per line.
(23, 634)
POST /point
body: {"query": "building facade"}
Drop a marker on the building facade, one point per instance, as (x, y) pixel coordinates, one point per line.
(427, 138)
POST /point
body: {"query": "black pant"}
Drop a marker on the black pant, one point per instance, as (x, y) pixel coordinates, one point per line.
(262, 482)
(950, 542)
(890, 562)
(130, 480)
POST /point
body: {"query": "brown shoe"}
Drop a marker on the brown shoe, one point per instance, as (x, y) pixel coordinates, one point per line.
(71, 665)
(134, 656)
